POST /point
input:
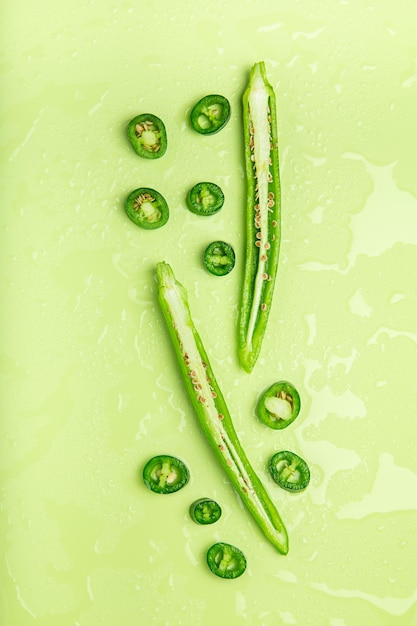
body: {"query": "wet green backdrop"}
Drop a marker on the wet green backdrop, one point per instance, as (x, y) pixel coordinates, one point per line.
(90, 385)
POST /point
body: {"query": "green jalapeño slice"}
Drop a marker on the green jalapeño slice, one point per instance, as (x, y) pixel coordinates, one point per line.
(226, 561)
(289, 471)
(165, 474)
(210, 114)
(205, 199)
(279, 405)
(148, 136)
(205, 511)
(219, 258)
(147, 208)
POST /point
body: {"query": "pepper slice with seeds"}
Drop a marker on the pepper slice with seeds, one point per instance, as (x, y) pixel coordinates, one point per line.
(205, 511)
(147, 208)
(211, 409)
(148, 136)
(279, 405)
(289, 470)
(262, 214)
(205, 199)
(219, 258)
(165, 474)
(225, 560)
(210, 114)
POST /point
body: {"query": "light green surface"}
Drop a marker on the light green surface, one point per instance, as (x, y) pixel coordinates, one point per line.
(91, 387)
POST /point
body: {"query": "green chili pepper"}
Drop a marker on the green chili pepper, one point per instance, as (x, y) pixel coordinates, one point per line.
(279, 405)
(219, 258)
(205, 199)
(148, 136)
(211, 409)
(165, 474)
(210, 114)
(263, 213)
(205, 511)
(147, 208)
(289, 471)
(225, 560)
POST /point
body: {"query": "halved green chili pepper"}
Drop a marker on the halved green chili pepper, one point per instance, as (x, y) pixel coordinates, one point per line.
(147, 208)
(289, 470)
(205, 511)
(148, 136)
(279, 405)
(165, 474)
(205, 199)
(219, 258)
(211, 409)
(210, 114)
(225, 560)
(263, 214)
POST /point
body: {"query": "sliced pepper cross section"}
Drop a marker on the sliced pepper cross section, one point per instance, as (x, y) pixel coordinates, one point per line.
(165, 474)
(148, 136)
(205, 199)
(263, 214)
(219, 258)
(147, 208)
(210, 114)
(225, 560)
(289, 470)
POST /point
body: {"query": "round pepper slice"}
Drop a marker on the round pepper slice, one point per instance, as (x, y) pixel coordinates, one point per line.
(279, 405)
(205, 511)
(289, 470)
(210, 114)
(205, 199)
(148, 136)
(225, 560)
(165, 474)
(219, 258)
(147, 208)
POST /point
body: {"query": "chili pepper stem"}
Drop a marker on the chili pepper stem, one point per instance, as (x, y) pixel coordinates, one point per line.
(211, 409)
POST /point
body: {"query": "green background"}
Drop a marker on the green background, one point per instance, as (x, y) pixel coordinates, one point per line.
(90, 385)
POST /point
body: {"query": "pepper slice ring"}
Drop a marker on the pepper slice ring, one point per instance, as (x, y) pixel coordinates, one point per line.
(219, 258)
(205, 511)
(210, 114)
(279, 405)
(165, 474)
(147, 208)
(225, 560)
(289, 470)
(263, 214)
(148, 136)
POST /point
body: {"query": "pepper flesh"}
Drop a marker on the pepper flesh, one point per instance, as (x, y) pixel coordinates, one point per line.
(219, 258)
(210, 114)
(263, 213)
(205, 199)
(289, 470)
(211, 409)
(205, 511)
(165, 474)
(148, 136)
(147, 208)
(279, 405)
(225, 560)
